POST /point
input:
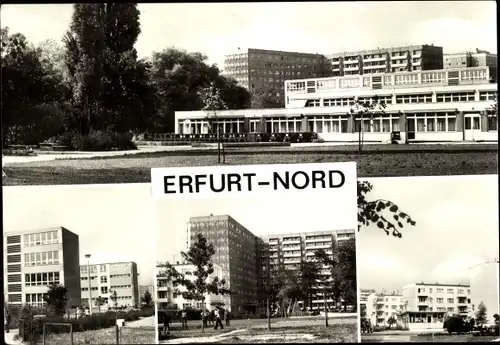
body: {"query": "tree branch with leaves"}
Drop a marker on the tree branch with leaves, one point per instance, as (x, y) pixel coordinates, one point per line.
(384, 213)
(366, 109)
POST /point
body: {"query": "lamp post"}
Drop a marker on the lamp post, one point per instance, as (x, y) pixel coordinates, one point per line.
(87, 256)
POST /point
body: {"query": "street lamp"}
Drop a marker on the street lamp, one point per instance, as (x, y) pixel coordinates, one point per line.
(87, 256)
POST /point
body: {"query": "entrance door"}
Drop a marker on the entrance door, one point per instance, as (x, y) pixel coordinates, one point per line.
(472, 126)
(429, 319)
(410, 129)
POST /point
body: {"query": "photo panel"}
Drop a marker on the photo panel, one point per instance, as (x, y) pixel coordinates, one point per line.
(67, 245)
(261, 265)
(430, 270)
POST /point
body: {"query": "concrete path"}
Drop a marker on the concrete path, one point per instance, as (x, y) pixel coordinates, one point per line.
(145, 322)
(210, 339)
(9, 338)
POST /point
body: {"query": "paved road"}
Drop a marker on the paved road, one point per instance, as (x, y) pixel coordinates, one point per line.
(145, 322)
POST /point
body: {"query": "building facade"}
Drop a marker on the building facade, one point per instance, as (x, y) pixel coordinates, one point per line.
(289, 251)
(36, 259)
(386, 60)
(167, 298)
(484, 286)
(387, 306)
(146, 288)
(366, 305)
(257, 68)
(426, 305)
(235, 254)
(107, 278)
(422, 106)
(479, 58)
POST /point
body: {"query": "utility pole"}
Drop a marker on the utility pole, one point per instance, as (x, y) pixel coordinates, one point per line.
(87, 256)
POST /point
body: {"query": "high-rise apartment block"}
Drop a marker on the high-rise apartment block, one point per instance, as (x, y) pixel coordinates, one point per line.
(427, 304)
(386, 60)
(258, 68)
(479, 58)
(247, 260)
(36, 259)
(106, 278)
(235, 254)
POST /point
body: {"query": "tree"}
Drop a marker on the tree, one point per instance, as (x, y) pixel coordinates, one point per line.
(481, 314)
(309, 276)
(26, 112)
(178, 77)
(147, 299)
(196, 284)
(212, 100)
(346, 271)
(266, 98)
(391, 321)
(113, 296)
(366, 110)
(375, 212)
(99, 302)
(57, 299)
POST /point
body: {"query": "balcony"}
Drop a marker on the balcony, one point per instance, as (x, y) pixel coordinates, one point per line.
(292, 241)
(396, 65)
(375, 67)
(318, 239)
(375, 59)
(395, 57)
(293, 255)
(353, 68)
(294, 247)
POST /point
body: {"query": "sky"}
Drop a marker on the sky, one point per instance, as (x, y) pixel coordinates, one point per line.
(456, 228)
(261, 215)
(217, 29)
(113, 222)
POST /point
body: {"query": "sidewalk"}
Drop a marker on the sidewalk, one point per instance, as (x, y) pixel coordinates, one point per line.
(210, 339)
(9, 338)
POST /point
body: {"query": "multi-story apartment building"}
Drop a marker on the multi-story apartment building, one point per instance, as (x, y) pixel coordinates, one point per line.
(426, 305)
(290, 250)
(387, 306)
(386, 60)
(146, 288)
(167, 299)
(479, 58)
(235, 253)
(107, 278)
(36, 259)
(484, 287)
(421, 106)
(258, 68)
(366, 308)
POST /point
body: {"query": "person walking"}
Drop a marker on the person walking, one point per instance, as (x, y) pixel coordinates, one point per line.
(219, 315)
(184, 319)
(211, 318)
(205, 317)
(226, 316)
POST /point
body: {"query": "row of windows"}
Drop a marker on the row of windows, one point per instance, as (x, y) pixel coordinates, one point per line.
(441, 290)
(120, 275)
(49, 237)
(93, 268)
(35, 298)
(42, 279)
(44, 258)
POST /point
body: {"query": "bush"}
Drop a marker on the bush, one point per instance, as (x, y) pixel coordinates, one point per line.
(95, 141)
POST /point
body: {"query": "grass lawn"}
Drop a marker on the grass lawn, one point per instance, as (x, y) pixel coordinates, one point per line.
(104, 336)
(136, 168)
(335, 333)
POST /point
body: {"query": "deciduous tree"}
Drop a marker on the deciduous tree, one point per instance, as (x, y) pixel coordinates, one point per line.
(57, 299)
(267, 98)
(363, 110)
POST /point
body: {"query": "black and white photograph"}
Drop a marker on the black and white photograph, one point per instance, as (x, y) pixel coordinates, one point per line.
(437, 279)
(67, 245)
(257, 269)
(402, 88)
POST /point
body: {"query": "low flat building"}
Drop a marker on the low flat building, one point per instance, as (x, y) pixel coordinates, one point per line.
(478, 58)
(452, 105)
(36, 259)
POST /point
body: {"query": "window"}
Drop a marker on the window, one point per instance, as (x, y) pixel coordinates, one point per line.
(455, 97)
(349, 83)
(104, 289)
(433, 122)
(406, 99)
(405, 79)
(433, 77)
(328, 124)
(460, 291)
(284, 124)
(473, 75)
(450, 300)
(296, 86)
(439, 290)
(41, 279)
(449, 291)
(487, 95)
(440, 300)
(492, 122)
(104, 279)
(338, 102)
(102, 268)
(313, 103)
(35, 298)
(43, 238)
(45, 258)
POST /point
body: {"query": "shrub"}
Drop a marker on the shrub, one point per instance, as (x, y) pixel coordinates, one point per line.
(95, 141)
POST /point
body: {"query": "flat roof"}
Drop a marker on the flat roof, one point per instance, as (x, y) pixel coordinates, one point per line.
(27, 231)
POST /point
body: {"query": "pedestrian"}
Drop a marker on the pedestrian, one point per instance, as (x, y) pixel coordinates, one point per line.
(184, 319)
(226, 316)
(7, 319)
(219, 315)
(211, 318)
(206, 316)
